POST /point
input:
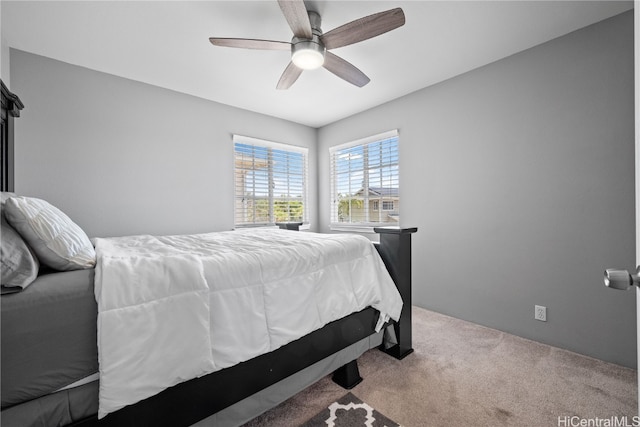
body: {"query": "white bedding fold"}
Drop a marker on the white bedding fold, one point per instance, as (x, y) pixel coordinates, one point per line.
(173, 308)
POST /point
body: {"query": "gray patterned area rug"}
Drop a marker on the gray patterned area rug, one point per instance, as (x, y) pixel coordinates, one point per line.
(349, 411)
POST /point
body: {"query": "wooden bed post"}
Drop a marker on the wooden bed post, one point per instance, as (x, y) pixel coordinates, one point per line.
(395, 251)
(11, 106)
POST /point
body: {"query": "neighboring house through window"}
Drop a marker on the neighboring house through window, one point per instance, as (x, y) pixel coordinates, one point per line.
(270, 182)
(365, 178)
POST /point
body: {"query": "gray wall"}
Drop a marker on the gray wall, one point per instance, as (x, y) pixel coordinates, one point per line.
(4, 56)
(122, 157)
(520, 178)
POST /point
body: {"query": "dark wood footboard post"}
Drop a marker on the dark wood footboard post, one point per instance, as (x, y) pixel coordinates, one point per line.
(395, 250)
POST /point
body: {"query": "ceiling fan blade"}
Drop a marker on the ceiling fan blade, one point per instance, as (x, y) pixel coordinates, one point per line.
(295, 12)
(364, 28)
(344, 70)
(250, 43)
(289, 77)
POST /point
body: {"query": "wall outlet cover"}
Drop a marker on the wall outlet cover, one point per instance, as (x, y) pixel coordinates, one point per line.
(540, 313)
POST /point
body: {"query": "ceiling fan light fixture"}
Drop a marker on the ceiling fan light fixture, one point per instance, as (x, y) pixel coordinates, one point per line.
(308, 59)
(307, 54)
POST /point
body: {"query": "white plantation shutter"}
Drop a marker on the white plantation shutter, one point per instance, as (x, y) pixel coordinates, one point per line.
(270, 182)
(365, 186)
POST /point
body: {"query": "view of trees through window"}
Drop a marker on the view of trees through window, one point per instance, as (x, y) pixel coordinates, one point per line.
(270, 183)
(365, 184)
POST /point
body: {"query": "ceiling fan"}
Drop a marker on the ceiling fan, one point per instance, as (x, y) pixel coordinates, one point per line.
(310, 47)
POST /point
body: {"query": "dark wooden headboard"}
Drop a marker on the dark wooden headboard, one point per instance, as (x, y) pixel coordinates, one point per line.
(11, 106)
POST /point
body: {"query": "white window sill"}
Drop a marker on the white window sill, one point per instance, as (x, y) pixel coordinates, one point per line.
(353, 228)
(305, 226)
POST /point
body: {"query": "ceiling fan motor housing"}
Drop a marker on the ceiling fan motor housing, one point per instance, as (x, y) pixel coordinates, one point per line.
(307, 53)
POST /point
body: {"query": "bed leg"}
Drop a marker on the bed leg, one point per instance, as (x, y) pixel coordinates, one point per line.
(395, 251)
(347, 376)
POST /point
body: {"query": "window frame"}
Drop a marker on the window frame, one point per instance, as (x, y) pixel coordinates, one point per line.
(363, 226)
(268, 169)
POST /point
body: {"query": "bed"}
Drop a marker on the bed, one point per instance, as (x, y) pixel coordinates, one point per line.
(56, 364)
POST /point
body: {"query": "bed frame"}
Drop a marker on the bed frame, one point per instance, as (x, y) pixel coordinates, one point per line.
(189, 402)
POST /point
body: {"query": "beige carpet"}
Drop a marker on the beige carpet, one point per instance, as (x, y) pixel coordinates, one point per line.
(462, 374)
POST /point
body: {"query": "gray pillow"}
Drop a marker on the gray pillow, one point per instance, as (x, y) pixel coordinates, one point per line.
(19, 264)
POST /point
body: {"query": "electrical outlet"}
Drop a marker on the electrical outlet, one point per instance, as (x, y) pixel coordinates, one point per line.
(540, 313)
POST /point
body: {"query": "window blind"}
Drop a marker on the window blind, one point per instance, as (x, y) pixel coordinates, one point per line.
(365, 186)
(270, 182)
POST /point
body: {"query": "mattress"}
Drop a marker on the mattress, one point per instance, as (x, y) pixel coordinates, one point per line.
(48, 336)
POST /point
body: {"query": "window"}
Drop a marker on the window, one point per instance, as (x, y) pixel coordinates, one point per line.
(364, 177)
(270, 182)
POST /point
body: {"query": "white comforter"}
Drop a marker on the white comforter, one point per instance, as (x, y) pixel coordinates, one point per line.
(177, 307)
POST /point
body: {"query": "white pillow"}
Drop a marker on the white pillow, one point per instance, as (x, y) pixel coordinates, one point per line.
(57, 241)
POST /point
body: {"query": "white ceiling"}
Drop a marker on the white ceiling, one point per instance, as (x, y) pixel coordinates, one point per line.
(166, 44)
